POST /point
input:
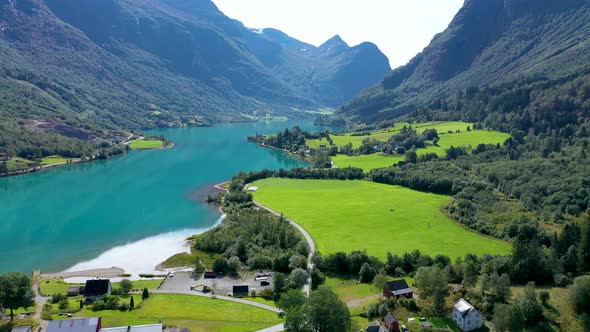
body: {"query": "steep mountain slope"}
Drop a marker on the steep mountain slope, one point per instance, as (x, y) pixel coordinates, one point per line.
(487, 43)
(331, 73)
(132, 64)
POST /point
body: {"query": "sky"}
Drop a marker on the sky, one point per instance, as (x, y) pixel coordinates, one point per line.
(400, 28)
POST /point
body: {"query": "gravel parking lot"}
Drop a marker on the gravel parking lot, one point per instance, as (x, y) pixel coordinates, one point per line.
(183, 281)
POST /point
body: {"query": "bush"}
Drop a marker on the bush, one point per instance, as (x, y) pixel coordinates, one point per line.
(56, 298)
(298, 278)
(266, 294)
(46, 312)
(373, 310)
(64, 303)
(124, 306)
(145, 294)
(544, 297)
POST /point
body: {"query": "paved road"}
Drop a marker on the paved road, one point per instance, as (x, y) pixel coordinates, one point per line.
(307, 286)
(276, 328)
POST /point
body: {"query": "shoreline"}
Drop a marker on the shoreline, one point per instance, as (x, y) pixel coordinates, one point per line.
(42, 168)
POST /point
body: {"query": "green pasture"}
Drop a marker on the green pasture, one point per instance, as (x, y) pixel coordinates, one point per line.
(199, 314)
(357, 215)
(147, 144)
(51, 286)
(366, 162)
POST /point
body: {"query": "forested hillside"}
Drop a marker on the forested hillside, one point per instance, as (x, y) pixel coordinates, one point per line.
(131, 64)
(489, 42)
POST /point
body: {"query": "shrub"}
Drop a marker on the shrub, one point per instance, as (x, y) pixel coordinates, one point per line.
(373, 310)
(145, 294)
(124, 306)
(266, 294)
(544, 297)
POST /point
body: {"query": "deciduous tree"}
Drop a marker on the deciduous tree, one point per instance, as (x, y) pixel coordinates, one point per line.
(16, 291)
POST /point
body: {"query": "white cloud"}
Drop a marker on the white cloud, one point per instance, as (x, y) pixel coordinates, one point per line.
(401, 28)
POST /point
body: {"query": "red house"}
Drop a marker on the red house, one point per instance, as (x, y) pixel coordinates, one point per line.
(398, 288)
(391, 323)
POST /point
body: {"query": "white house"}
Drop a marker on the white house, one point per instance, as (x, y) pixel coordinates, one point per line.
(466, 316)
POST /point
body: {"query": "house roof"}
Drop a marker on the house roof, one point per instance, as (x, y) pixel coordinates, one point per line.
(389, 319)
(375, 327)
(97, 286)
(398, 287)
(241, 289)
(74, 325)
(463, 307)
(138, 328)
(22, 329)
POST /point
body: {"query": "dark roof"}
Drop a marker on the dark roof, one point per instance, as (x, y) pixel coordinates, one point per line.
(397, 285)
(375, 327)
(97, 287)
(241, 290)
(389, 319)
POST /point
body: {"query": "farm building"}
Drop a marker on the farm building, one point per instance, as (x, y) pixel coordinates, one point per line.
(27, 328)
(238, 291)
(97, 288)
(391, 323)
(138, 328)
(375, 327)
(74, 290)
(466, 316)
(93, 324)
(398, 288)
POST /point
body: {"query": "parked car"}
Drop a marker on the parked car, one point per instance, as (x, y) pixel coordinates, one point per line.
(264, 283)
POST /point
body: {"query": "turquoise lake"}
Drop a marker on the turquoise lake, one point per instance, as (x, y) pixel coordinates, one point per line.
(53, 219)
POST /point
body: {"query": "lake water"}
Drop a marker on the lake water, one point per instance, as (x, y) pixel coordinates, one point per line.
(131, 211)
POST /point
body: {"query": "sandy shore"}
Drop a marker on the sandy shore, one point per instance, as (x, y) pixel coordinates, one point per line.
(111, 272)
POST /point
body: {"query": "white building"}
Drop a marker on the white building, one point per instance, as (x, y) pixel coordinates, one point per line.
(136, 328)
(466, 316)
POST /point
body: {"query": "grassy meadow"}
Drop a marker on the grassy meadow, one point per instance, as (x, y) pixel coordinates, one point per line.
(199, 314)
(366, 162)
(147, 144)
(450, 134)
(356, 215)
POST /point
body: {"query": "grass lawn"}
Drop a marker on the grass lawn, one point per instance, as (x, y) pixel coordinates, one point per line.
(17, 163)
(53, 160)
(186, 259)
(50, 286)
(366, 162)
(147, 144)
(357, 215)
(199, 314)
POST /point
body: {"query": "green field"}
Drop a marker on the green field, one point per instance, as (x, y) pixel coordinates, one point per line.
(17, 163)
(379, 160)
(366, 162)
(147, 144)
(199, 314)
(383, 135)
(356, 215)
(52, 160)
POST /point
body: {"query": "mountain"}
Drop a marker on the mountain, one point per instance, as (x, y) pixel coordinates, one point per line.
(112, 64)
(489, 42)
